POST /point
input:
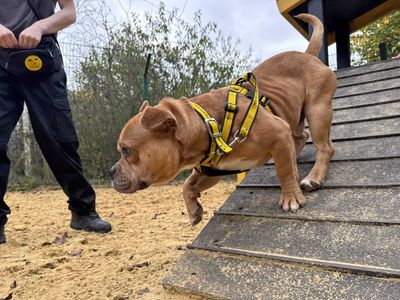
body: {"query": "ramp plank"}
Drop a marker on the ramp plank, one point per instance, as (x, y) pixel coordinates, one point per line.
(234, 277)
(367, 99)
(373, 67)
(340, 174)
(367, 87)
(343, 245)
(366, 113)
(358, 205)
(366, 129)
(385, 147)
(370, 77)
(379, 111)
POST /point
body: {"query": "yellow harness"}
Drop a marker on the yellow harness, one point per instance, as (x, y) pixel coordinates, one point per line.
(220, 138)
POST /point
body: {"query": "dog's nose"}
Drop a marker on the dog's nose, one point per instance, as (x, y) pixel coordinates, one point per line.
(112, 171)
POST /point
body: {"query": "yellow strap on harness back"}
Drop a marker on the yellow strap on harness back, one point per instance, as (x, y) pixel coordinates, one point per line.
(253, 107)
(242, 90)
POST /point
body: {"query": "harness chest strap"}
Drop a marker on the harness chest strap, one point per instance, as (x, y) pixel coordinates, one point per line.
(230, 113)
(213, 129)
(219, 139)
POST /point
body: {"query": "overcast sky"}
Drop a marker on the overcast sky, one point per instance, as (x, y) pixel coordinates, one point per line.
(257, 23)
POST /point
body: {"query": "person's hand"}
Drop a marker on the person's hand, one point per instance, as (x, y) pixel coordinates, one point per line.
(7, 38)
(30, 37)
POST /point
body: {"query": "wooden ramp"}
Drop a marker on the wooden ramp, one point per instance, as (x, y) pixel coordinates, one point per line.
(345, 244)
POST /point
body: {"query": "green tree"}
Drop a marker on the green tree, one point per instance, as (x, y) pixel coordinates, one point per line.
(187, 59)
(365, 42)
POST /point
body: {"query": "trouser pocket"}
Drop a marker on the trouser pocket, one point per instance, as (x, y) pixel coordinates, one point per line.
(65, 132)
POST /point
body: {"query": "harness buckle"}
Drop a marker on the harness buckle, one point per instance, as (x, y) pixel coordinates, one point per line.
(209, 128)
(264, 101)
(231, 108)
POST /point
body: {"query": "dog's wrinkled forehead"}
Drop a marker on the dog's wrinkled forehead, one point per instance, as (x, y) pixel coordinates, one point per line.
(132, 132)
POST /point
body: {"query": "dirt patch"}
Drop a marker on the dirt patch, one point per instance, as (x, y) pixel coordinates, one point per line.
(45, 259)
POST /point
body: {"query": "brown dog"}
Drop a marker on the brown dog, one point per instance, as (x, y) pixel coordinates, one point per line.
(161, 141)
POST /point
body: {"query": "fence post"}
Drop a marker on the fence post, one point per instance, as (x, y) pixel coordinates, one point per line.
(383, 51)
(145, 81)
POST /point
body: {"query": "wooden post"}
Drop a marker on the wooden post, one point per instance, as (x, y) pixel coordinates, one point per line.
(342, 33)
(317, 8)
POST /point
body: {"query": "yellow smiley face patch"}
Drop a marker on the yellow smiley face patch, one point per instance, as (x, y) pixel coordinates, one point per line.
(33, 63)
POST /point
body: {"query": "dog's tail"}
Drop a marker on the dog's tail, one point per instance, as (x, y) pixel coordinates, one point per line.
(318, 32)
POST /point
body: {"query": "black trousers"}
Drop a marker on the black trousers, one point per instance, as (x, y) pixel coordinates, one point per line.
(50, 115)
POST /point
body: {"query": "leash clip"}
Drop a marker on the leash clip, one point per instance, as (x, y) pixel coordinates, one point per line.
(237, 139)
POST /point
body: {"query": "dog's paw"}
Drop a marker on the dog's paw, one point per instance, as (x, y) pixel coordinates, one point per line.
(310, 185)
(197, 216)
(292, 201)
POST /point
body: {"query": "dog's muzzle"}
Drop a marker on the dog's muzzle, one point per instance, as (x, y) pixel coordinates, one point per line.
(119, 181)
(123, 184)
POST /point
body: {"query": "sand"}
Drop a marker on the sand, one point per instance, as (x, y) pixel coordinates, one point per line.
(45, 259)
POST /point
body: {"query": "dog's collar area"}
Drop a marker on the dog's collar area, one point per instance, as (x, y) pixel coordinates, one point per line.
(219, 139)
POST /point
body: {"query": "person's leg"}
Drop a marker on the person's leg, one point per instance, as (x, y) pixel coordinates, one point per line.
(11, 106)
(52, 124)
(3, 222)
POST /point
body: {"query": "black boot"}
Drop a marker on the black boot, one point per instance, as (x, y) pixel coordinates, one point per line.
(90, 222)
(3, 222)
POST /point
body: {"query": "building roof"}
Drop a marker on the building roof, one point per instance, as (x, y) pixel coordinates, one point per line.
(358, 13)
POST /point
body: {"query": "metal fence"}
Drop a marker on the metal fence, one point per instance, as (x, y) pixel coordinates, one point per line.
(73, 55)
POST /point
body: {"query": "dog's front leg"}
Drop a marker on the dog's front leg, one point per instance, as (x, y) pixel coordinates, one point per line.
(284, 155)
(193, 186)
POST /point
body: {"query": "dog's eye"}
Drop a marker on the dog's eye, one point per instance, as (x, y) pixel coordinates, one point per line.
(125, 151)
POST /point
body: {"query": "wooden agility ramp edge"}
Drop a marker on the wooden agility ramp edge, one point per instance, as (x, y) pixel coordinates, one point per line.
(345, 244)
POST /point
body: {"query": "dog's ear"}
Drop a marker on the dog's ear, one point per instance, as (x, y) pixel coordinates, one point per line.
(144, 105)
(155, 118)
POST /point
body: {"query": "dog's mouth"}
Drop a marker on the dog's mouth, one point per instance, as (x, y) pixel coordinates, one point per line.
(143, 185)
(121, 186)
(127, 187)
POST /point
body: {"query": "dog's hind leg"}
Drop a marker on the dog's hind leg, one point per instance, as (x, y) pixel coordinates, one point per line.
(319, 117)
(300, 136)
(300, 141)
(193, 186)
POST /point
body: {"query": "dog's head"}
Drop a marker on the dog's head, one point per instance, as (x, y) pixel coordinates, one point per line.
(149, 150)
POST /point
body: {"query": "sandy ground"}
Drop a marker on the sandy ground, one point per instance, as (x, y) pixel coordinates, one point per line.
(45, 259)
